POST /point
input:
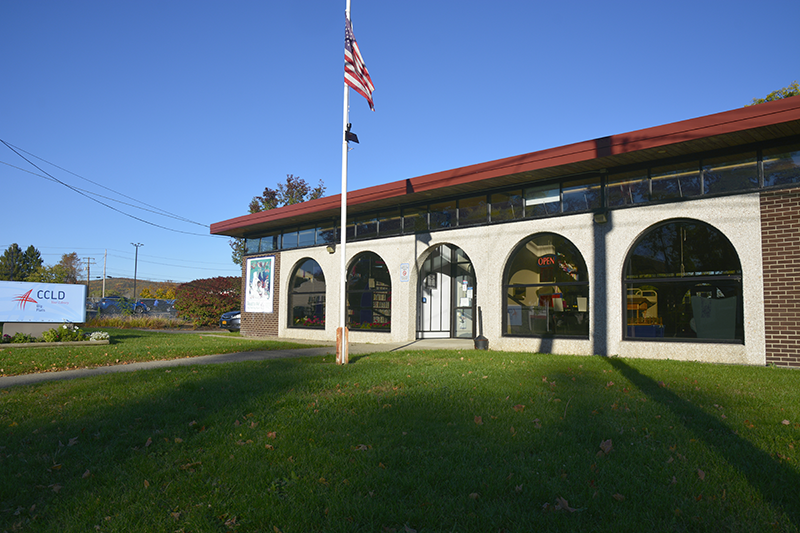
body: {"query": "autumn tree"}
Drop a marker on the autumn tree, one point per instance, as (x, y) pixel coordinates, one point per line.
(203, 300)
(792, 90)
(71, 264)
(296, 190)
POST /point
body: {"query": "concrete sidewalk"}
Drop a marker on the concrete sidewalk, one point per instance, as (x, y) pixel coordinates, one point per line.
(355, 349)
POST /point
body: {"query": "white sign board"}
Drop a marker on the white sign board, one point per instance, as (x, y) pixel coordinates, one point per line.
(260, 284)
(21, 301)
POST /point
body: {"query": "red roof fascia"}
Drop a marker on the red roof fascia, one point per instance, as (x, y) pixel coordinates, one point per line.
(745, 118)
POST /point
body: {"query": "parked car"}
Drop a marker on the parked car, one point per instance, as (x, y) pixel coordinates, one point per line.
(111, 305)
(155, 305)
(231, 320)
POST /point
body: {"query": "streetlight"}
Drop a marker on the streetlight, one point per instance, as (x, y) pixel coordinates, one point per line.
(135, 266)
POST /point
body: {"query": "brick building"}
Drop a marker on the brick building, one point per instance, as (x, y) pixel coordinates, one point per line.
(678, 241)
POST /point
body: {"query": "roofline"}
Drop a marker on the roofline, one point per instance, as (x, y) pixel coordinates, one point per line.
(727, 122)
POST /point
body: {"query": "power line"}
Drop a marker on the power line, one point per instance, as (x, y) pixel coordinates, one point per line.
(158, 210)
(74, 189)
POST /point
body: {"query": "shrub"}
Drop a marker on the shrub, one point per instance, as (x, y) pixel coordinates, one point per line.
(202, 301)
(64, 333)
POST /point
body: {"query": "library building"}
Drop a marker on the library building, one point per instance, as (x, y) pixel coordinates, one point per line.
(680, 241)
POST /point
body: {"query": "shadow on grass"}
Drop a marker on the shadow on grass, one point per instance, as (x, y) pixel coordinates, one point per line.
(763, 472)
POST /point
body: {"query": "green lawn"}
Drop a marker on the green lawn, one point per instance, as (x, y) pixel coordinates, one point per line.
(409, 441)
(129, 346)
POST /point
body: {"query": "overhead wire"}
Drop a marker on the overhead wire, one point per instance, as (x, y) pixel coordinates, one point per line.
(79, 191)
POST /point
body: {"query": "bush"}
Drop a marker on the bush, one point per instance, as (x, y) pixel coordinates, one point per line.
(202, 301)
(64, 333)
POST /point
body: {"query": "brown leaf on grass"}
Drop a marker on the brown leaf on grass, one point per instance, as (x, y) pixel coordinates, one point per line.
(408, 529)
(86, 474)
(175, 514)
(478, 420)
(785, 422)
(146, 483)
(269, 446)
(55, 487)
(272, 435)
(362, 447)
(178, 440)
(474, 496)
(149, 442)
(537, 424)
(519, 407)
(619, 497)
(73, 441)
(701, 474)
(562, 504)
(190, 466)
(606, 447)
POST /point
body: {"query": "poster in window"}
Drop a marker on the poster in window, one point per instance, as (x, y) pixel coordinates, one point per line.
(260, 282)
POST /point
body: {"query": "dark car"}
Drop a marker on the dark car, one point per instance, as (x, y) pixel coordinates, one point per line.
(155, 305)
(231, 320)
(112, 305)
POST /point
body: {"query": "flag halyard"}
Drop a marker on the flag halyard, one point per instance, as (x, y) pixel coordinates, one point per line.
(355, 71)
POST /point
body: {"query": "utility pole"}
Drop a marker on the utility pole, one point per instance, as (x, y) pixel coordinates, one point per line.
(89, 261)
(105, 258)
(135, 266)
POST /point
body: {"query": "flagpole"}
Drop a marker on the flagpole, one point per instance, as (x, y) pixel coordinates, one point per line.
(342, 344)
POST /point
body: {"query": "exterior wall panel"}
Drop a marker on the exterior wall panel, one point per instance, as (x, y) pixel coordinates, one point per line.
(780, 252)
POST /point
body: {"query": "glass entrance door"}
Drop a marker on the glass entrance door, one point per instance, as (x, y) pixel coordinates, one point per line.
(446, 306)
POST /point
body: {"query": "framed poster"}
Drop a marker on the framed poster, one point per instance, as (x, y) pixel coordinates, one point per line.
(260, 283)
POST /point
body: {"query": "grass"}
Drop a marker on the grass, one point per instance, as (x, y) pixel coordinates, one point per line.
(409, 441)
(129, 346)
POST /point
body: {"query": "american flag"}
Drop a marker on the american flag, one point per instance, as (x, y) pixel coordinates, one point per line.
(355, 71)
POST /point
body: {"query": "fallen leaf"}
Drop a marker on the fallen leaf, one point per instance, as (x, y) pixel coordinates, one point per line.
(178, 440)
(56, 487)
(146, 483)
(409, 530)
(478, 420)
(362, 447)
(701, 474)
(175, 515)
(382, 465)
(518, 488)
(269, 446)
(474, 496)
(73, 441)
(785, 422)
(537, 424)
(519, 407)
(563, 504)
(619, 497)
(272, 435)
(149, 442)
(86, 474)
(606, 446)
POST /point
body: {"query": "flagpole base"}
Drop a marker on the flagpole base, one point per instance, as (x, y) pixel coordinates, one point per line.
(342, 346)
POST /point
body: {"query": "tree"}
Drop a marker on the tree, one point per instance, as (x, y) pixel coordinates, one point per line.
(296, 190)
(31, 260)
(57, 273)
(792, 90)
(16, 265)
(72, 265)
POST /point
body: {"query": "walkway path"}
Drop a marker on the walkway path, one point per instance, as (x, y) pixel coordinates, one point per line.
(355, 349)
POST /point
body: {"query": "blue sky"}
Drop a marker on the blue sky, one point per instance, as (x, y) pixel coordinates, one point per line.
(193, 107)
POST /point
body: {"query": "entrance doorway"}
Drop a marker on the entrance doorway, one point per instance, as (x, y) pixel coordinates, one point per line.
(447, 291)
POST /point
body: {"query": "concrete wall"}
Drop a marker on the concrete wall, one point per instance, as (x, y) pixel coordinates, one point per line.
(604, 248)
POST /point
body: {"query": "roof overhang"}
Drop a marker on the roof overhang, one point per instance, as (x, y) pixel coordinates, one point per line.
(752, 124)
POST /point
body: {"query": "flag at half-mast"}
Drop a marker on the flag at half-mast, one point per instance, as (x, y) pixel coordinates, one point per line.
(355, 71)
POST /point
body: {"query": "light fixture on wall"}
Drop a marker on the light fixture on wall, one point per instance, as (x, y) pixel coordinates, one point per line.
(331, 248)
(601, 217)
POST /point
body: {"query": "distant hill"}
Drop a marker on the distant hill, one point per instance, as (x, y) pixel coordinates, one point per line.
(124, 286)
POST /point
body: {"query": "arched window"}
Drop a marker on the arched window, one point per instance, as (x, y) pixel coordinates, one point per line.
(369, 294)
(307, 296)
(683, 280)
(547, 289)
